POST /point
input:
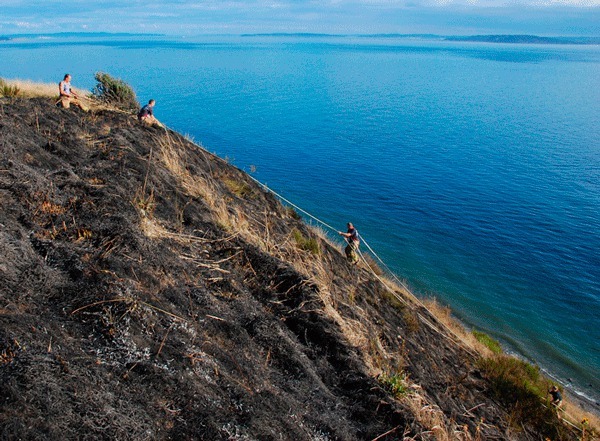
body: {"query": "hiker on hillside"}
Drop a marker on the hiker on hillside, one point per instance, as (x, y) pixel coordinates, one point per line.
(556, 398)
(146, 114)
(351, 237)
(67, 95)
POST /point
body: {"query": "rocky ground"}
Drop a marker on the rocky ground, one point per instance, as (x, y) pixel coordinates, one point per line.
(149, 290)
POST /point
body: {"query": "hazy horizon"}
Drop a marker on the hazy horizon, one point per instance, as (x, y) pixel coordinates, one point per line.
(184, 17)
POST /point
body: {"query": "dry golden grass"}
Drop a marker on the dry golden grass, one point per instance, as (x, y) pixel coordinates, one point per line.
(153, 229)
(30, 89)
(430, 417)
(443, 315)
(170, 153)
(48, 207)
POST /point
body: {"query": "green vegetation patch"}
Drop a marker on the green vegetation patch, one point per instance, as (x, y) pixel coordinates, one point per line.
(8, 91)
(396, 383)
(306, 243)
(240, 189)
(488, 342)
(392, 299)
(292, 213)
(115, 92)
(522, 389)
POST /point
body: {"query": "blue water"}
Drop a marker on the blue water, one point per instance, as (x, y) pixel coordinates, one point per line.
(472, 169)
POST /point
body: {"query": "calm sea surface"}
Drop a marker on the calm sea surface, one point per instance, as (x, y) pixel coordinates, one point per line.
(472, 169)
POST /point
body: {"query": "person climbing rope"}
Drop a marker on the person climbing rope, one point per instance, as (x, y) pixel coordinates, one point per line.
(556, 399)
(146, 114)
(351, 237)
(67, 95)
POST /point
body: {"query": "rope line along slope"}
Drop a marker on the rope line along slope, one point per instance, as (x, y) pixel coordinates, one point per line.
(450, 335)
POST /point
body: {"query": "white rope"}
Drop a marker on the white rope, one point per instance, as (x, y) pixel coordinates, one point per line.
(402, 284)
(451, 335)
(292, 204)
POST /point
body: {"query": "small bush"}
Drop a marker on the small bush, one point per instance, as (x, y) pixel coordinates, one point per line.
(307, 244)
(411, 320)
(115, 92)
(488, 342)
(146, 204)
(7, 90)
(239, 188)
(395, 383)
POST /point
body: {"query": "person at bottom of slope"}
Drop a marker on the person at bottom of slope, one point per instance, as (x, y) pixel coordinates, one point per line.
(146, 114)
(556, 397)
(67, 95)
(351, 237)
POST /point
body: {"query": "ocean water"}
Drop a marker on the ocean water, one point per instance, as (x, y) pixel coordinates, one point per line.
(472, 169)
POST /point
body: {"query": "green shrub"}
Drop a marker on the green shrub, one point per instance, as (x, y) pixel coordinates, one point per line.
(395, 383)
(8, 91)
(115, 91)
(489, 342)
(307, 244)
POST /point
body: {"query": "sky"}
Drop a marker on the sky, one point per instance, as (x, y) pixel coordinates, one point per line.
(187, 17)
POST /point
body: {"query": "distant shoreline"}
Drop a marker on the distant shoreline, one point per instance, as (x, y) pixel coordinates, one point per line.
(526, 39)
(493, 38)
(509, 38)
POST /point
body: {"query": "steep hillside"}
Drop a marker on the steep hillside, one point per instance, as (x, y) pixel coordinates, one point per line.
(149, 290)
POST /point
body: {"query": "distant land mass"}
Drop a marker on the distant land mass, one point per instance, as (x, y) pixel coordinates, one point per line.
(515, 39)
(317, 35)
(525, 39)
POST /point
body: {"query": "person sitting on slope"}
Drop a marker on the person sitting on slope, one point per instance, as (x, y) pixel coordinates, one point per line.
(146, 114)
(67, 95)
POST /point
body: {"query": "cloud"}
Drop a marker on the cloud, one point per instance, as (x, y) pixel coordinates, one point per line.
(26, 24)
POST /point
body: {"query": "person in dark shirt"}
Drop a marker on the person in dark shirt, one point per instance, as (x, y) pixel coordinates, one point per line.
(146, 114)
(556, 398)
(351, 237)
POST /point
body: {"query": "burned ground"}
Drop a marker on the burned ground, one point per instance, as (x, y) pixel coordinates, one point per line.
(149, 290)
